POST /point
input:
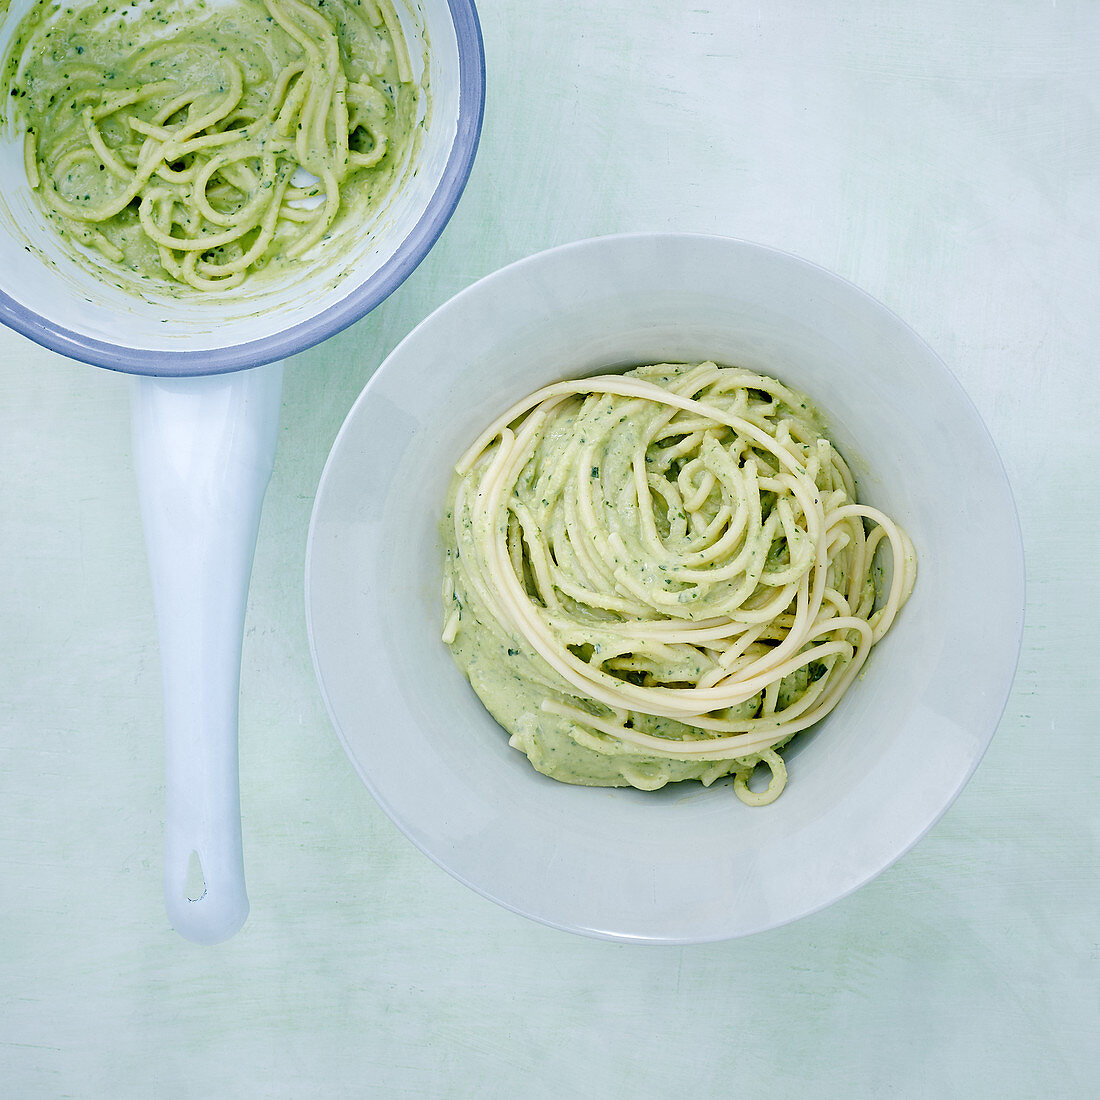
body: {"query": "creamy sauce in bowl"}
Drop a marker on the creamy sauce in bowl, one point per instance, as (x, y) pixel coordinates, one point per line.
(664, 575)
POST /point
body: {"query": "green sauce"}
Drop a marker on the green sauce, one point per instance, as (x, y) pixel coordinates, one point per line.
(197, 144)
(662, 575)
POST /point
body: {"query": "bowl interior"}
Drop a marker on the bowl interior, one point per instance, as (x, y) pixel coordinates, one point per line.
(684, 864)
(66, 306)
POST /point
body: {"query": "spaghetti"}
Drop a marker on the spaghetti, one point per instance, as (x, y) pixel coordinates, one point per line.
(197, 143)
(664, 575)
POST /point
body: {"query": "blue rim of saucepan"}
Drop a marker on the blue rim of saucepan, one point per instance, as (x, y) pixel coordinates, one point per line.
(254, 353)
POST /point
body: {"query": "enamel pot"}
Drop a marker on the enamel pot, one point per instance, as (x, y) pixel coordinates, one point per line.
(206, 395)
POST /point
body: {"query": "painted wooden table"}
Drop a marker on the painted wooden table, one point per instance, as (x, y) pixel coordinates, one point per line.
(944, 155)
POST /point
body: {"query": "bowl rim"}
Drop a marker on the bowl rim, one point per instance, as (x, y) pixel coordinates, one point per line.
(995, 711)
(319, 327)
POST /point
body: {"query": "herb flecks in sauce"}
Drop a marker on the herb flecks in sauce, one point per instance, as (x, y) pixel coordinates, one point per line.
(663, 575)
(199, 144)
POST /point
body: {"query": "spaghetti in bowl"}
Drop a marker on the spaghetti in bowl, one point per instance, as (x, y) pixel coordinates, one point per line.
(664, 575)
(684, 863)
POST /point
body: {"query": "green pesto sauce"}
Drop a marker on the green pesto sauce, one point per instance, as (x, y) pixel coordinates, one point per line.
(63, 58)
(512, 680)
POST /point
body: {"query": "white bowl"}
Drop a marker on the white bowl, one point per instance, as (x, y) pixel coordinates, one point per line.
(684, 864)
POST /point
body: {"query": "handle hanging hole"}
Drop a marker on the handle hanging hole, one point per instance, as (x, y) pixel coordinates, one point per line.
(195, 887)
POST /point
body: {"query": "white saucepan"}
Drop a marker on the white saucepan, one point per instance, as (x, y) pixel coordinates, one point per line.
(206, 397)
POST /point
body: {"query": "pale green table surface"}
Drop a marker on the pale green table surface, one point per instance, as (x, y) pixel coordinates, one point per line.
(943, 154)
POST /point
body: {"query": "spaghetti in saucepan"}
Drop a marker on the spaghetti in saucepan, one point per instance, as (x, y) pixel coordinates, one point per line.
(195, 144)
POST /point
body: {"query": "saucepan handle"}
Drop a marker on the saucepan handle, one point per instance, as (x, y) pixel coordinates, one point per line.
(204, 449)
